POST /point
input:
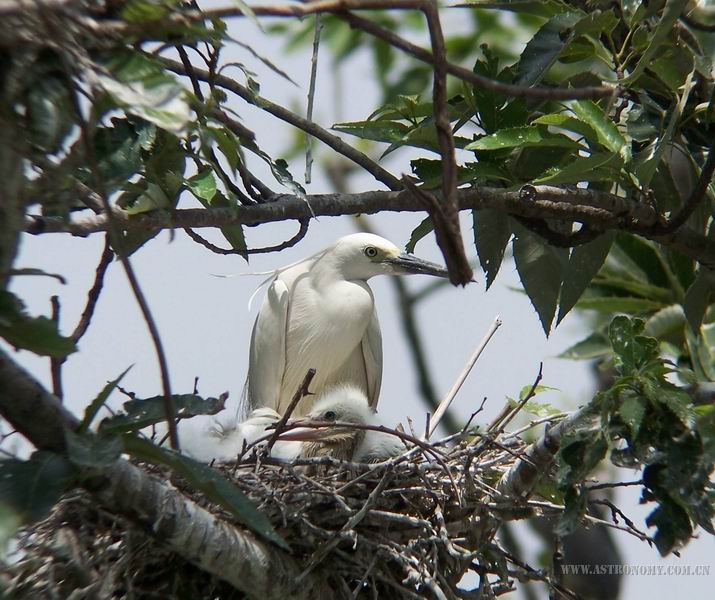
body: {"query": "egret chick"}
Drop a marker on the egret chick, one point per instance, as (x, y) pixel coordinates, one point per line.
(320, 313)
(344, 404)
(223, 441)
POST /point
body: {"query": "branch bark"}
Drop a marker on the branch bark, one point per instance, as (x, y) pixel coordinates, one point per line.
(216, 546)
(600, 210)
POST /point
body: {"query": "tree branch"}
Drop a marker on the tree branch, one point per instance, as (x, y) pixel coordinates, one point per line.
(217, 547)
(286, 115)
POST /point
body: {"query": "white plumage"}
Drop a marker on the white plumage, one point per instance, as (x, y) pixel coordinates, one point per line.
(320, 313)
(209, 439)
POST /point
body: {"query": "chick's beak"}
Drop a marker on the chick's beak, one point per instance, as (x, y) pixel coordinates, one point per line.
(409, 264)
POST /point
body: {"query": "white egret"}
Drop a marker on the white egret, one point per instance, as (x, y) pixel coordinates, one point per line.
(213, 439)
(344, 404)
(320, 313)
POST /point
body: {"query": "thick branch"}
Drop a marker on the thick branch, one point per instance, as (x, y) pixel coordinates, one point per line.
(219, 548)
(520, 479)
(600, 210)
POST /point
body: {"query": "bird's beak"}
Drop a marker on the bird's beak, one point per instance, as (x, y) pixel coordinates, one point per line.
(309, 434)
(409, 264)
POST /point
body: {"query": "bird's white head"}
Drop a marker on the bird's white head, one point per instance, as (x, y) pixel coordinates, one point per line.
(342, 403)
(364, 255)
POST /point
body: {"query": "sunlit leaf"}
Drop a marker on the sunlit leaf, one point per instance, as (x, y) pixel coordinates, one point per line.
(520, 137)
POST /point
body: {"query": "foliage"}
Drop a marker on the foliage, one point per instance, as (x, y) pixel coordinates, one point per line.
(650, 424)
(128, 110)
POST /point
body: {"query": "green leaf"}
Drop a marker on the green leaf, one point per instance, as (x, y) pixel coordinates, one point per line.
(491, 235)
(522, 137)
(153, 198)
(36, 334)
(424, 228)
(541, 409)
(32, 487)
(540, 268)
(96, 404)
(568, 123)
(608, 135)
(698, 297)
(595, 345)
(678, 401)
(598, 166)
(632, 411)
(9, 524)
(618, 304)
(50, 115)
(538, 8)
(671, 13)
(142, 88)
(584, 262)
(215, 486)
(673, 526)
(544, 49)
(203, 185)
(144, 412)
(632, 349)
(92, 451)
(666, 322)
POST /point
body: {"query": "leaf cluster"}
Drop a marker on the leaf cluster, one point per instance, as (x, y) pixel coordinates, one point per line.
(650, 424)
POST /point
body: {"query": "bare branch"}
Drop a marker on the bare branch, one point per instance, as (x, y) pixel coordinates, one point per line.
(302, 231)
(300, 393)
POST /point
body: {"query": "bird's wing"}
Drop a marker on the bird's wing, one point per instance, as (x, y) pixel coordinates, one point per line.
(372, 354)
(267, 357)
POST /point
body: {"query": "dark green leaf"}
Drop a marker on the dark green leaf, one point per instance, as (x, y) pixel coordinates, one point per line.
(419, 232)
(618, 304)
(599, 166)
(595, 345)
(215, 486)
(541, 269)
(632, 411)
(92, 451)
(492, 231)
(698, 297)
(543, 50)
(632, 349)
(37, 334)
(144, 412)
(583, 264)
(671, 13)
(32, 487)
(91, 411)
(143, 88)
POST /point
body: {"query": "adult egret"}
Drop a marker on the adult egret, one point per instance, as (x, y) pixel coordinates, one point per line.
(320, 313)
(344, 404)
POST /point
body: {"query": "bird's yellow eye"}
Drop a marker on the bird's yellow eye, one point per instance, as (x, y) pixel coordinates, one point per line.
(330, 415)
(370, 251)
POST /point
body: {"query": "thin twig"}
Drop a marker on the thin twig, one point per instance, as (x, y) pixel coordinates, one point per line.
(56, 362)
(444, 405)
(302, 231)
(311, 98)
(94, 292)
(288, 116)
(300, 393)
(499, 424)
